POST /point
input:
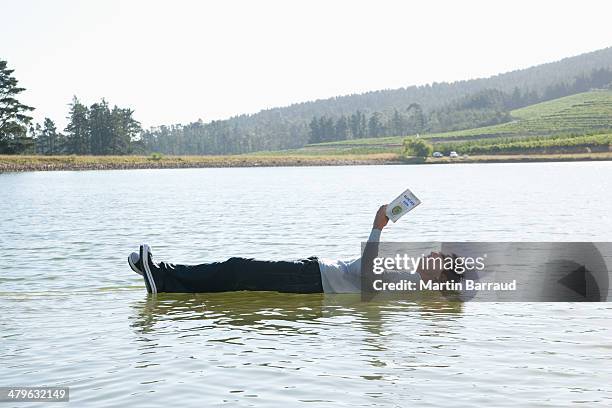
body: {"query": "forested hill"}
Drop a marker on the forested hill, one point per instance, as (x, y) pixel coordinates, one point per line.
(415, 109)
(537, 79)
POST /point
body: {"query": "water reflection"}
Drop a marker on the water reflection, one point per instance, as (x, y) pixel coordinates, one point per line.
(248, 309)
(268, 313)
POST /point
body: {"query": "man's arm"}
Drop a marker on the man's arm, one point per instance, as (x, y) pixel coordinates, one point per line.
(371, 251)
(371, 248)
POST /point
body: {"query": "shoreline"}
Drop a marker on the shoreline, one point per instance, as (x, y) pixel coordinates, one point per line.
(17, 163)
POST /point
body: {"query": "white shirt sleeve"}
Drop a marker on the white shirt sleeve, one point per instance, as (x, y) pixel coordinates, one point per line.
(344, 276)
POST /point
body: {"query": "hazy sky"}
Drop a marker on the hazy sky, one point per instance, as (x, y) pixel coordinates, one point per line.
(177, 61)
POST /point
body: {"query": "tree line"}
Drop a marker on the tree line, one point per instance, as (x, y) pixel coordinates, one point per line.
(96, 130)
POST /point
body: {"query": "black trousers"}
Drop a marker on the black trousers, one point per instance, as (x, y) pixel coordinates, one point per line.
(236, 274)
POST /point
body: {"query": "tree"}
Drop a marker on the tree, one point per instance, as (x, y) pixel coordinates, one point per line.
(357, 124)
(342, 128)
(100, 128)
(48, 141)
(13, 114)
(327, 129)
(77, 131)
(414, 146)
(375, 126)
(516, 100)
(416, 118)
(124, 129)
(315, 132)
(35, 132)
(397, 125)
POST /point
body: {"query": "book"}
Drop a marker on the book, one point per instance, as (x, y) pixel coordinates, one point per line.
(403, 204)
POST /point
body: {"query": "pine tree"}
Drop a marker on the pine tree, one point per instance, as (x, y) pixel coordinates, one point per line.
(375, 126)
(77, 131)
(417, 118)
(35, 133)
(342, 129)
(124, 129)
(516, 100)
(397, 123)
(363, 129)
(100, 128)
(13, 118)
(50, 142)
(315, 132)
(357, 124)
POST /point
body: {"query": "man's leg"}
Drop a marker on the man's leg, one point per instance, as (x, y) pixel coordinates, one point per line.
(240, 274)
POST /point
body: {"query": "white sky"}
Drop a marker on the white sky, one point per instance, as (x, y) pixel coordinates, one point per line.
(177, 61)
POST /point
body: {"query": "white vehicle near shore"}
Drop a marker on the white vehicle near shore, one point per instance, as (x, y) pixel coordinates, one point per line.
(453, 155)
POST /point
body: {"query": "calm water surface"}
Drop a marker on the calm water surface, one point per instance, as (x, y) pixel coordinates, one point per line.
(74, 314)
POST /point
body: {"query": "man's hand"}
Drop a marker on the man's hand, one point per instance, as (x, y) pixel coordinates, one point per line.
(381, 219)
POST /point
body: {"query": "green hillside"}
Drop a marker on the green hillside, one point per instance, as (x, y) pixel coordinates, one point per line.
(580, 114)
(587, 112)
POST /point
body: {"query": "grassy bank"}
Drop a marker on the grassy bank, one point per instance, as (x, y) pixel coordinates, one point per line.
(524, 158)
(51, 163)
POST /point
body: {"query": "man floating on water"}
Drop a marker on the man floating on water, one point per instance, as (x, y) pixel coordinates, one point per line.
(310, 275)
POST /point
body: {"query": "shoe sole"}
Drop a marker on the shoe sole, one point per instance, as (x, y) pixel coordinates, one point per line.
(148, 276)
(134, 267)
(144, 275)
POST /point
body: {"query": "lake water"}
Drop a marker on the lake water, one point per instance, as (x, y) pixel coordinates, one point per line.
(74, 314)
